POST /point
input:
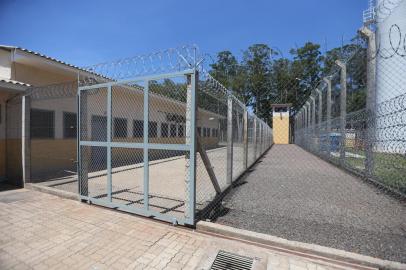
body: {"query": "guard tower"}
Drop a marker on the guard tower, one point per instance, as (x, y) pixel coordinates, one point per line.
(280, 122)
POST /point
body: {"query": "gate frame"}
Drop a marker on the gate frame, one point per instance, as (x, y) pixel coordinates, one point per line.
(190, 146)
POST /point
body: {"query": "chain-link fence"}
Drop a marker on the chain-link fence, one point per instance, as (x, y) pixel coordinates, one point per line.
(240, 139)
(164, 145)
(362, 127)
(341, 180)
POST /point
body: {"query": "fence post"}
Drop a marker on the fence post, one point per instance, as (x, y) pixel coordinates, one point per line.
(229, 139)
(254, 137)
(25, 139)
(371, 99)
(146, 141)
(109, 131)
(328, 116)
(343, 107)
(191, 139)
(320, 107)
(319, 116)
(307, 104)
(83, 154)
(313, 106)
(245, 136)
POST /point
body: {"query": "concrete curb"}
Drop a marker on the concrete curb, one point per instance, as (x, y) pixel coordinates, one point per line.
(310, 249)
(53, 191)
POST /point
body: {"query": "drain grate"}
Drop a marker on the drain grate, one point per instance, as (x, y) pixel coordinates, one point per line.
(229, 261)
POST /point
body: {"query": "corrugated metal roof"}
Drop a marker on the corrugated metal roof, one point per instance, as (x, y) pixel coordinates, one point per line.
(7, 47)
(15, 82)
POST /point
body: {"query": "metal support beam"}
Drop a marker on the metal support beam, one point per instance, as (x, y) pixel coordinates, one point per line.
(371, 98)
(343, 107)
(208, 166)
(25, 139)
(145, 149)
(229, 139)
(83, 152)
(191, 139)
(109, 131)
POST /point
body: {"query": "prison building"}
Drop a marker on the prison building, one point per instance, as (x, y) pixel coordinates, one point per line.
(51, 88)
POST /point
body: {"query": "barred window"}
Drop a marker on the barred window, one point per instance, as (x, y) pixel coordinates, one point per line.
(42, 124)
(69, 125)
(152, 129)
(138, 128)
(164, 130)
(173, 130)
(180, 131)
(120, 128)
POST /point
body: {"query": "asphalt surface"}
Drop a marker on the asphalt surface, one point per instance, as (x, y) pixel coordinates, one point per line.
(293, 194)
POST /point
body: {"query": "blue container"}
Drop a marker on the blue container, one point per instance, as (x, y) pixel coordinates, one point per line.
(335, 139)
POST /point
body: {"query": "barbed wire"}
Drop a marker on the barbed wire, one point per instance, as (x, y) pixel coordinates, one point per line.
(164, 61)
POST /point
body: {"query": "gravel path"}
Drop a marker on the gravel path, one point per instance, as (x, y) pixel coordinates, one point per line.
(293, 194)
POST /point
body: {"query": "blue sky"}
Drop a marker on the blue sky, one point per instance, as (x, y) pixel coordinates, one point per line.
(88, 32)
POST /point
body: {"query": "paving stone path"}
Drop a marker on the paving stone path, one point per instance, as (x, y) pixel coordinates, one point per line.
(41, 231)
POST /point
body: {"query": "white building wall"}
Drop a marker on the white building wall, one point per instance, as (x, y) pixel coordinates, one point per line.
(5, 64)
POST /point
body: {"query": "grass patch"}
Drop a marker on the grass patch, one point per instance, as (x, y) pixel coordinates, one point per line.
(389, 169)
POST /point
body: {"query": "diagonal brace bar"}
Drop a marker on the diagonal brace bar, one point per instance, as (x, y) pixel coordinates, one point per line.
(207, 164)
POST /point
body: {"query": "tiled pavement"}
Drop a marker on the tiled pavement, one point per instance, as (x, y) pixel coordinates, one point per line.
(41, 231)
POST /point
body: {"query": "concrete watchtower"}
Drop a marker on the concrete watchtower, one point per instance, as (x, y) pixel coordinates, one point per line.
(280, 123)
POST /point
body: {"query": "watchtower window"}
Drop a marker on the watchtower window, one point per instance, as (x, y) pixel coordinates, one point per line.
(281, 109)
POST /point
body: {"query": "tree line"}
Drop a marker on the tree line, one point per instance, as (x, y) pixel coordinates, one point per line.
(264, 76)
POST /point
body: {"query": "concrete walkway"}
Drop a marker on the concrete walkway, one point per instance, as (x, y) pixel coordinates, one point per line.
(295, 195)
(41, 231)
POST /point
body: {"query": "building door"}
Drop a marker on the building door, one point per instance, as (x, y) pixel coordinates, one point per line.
(99, 134)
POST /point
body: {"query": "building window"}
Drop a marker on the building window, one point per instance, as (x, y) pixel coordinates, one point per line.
(152, 129)
(120, 128)
(164, 130)
(180, 131)
(138, 128)
(69, 125)
(42, 124)
(173, 130)
(1, 114)
(213, 132)
(199, 131)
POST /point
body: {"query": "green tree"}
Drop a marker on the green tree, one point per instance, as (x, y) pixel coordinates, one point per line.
(232, 75)
(306, 67)
(258, 65)
(354, 55)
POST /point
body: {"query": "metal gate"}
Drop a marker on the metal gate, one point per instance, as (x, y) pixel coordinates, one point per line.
(137, 145)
